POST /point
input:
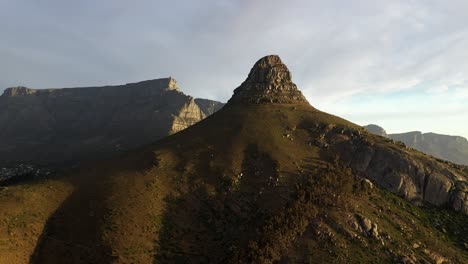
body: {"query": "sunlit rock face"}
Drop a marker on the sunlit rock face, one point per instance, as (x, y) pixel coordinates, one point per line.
(269, 81)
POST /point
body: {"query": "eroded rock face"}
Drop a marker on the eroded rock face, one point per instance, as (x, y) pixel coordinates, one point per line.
(54, 126)
(189, 114)
(365, 226)
(417, 177)
(269, 81)
(375, 129)
(18, 91)
(451, 148)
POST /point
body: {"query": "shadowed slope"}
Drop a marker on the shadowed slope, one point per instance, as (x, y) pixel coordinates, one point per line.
(70, 125)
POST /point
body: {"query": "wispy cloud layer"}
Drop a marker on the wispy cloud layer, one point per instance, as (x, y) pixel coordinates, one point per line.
(339, 52)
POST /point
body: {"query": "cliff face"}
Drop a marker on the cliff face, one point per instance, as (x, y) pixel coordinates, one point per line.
(67, 125)
(450, 148)
(269, 81)
(189, 114)
(402, 170)
(375, 129)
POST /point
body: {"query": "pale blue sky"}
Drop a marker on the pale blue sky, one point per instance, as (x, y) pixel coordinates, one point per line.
(400, 64)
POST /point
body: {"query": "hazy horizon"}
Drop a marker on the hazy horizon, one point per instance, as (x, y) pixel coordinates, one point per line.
(401, 64)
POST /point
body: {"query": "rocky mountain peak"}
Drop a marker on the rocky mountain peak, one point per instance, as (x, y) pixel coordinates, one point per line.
(269, 81)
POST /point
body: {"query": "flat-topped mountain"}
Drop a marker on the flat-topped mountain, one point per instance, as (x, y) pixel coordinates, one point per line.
(263, 180)
(451, 148)
(54, 126)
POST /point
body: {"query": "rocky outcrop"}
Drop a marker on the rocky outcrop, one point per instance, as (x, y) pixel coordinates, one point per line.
(189, 114)
(9, 175)
(375, 129)
(18, 91)
(417, 177)
(54, 126)
(451, 148)
(269, 81)
(365, 226)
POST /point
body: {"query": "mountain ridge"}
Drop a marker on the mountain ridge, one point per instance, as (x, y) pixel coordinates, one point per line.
(161, 83)
(447, 147)
(260, 181)
(69, 125)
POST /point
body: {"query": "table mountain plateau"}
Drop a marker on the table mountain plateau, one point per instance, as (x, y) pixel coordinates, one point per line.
(65, 126)
(266, 179)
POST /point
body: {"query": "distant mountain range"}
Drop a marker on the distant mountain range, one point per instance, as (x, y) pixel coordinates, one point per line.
(451, 148)
(64, 126)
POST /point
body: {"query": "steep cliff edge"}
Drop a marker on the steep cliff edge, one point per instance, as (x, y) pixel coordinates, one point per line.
(54, 126)
(415, 176)
(451, 148)
(375, 129)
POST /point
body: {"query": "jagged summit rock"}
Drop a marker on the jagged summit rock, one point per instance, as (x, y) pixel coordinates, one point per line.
(269, 81)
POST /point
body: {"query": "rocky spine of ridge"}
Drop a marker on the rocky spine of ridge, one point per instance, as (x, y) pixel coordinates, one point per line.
(450, 148)
(375, 129)
(269, 81)
(415, 176)
(54, 126)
